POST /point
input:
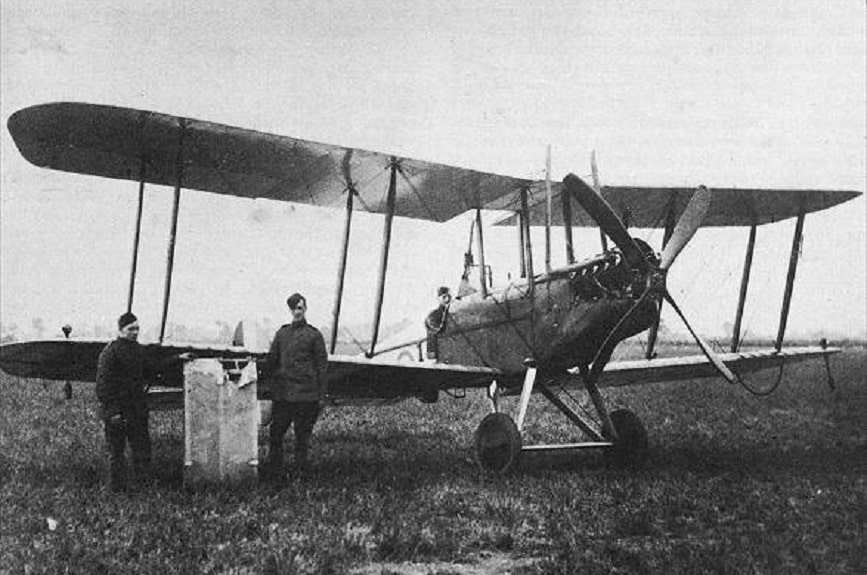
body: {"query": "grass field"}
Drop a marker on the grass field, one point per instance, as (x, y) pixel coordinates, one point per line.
(733, 484)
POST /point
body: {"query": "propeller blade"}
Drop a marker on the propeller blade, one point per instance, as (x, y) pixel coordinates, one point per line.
(602, 213)
(708, 352)
(686, 227)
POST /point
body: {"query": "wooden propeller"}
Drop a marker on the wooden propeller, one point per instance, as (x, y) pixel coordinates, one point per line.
(691, 219)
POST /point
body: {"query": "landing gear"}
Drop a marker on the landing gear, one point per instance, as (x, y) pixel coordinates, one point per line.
(630, 447)
(498, 443)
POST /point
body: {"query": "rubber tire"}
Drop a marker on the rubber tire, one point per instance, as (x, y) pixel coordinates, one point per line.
(630, 449)
(498, 444)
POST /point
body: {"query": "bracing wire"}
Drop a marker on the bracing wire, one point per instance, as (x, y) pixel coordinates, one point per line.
(416, 193)
(764, 392)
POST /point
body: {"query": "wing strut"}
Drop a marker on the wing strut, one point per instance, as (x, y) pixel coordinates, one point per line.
(548, 210)
(344, 250)
(598, 187)
(566, 207)
(528, 245)
(383, 261)
(137, 237)
(790, 278)
(742, 298)
(522, 249)
(480, 241)
(170, 259)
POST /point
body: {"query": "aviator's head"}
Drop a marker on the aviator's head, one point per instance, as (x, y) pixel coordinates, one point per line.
(127, 327)
(297, 306)
(444, 295)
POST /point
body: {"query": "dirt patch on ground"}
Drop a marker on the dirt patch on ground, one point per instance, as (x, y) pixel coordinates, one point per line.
(487, 564)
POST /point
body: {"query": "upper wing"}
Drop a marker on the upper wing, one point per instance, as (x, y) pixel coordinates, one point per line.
(648, 207)
(135, 145)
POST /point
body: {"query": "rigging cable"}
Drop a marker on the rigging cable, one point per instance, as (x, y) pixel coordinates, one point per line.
(765, 392)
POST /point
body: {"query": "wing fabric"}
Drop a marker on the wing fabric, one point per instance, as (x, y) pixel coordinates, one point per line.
(61, 360)
(124, 143)
(76, 360)
(356, 377)
(347, 376)
(621, 373)
(128, 144)
(646, 207)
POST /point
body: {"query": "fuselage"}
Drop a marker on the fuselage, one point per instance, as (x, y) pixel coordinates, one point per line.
(559, 320)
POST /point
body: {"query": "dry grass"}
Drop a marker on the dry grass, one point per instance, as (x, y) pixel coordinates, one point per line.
(734, 484)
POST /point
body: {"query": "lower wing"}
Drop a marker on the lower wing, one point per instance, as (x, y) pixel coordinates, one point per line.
(348, 377)
(622, 373)
(357, 377)
(76, 360)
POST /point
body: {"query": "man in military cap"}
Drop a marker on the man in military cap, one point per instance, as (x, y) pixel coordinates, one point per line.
(296, 361)
(121, 390)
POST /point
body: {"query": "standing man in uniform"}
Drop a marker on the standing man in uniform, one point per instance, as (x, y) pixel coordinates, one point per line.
(296, 361)
(121, 390)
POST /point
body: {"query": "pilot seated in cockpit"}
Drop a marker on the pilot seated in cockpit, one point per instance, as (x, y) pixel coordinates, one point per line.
(435, 321)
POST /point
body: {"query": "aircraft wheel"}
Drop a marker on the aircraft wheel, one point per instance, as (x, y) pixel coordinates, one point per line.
(498, 443)
(631, 445)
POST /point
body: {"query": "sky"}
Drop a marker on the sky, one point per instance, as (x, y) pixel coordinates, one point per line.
(761, 94)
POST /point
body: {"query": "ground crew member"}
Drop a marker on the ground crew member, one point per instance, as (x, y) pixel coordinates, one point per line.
(121, 390)
(296, 361)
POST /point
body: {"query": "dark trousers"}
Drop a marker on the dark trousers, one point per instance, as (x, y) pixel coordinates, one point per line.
(432, 349)
(128, 426)
(283, 414)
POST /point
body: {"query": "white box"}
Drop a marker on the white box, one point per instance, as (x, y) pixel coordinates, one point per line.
(221, 419)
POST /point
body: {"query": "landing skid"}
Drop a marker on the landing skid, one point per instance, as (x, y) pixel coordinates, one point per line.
(499, 443)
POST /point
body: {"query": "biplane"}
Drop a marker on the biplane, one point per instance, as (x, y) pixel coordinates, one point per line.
(549, 328)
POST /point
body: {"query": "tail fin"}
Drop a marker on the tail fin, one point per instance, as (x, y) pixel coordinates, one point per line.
(248, 334)
(238, 336)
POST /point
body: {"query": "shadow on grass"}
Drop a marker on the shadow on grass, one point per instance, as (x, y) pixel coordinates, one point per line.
(773, 461)
(406, 462)
(90, 470)
(788, 461)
